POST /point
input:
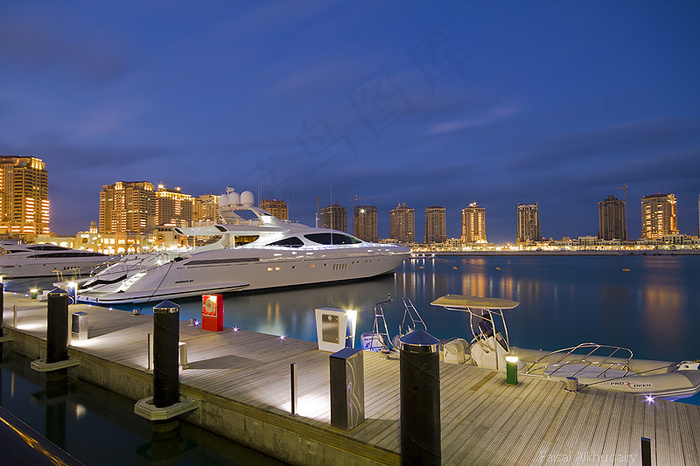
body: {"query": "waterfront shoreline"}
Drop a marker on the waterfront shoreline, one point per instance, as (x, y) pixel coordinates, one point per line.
(679, 252)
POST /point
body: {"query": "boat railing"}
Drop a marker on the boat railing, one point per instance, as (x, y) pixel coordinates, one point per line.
(585, 355)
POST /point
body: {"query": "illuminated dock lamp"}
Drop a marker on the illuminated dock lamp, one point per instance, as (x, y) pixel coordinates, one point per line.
(511, 369)
(72, 292)
(32, 293)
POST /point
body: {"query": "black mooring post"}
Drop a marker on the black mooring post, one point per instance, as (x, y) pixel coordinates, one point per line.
(166, 335)
(2, 308)
(420, 399)
(57, 326)
(646, 451)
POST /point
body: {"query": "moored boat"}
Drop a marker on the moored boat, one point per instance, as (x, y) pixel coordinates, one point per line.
(588, 364)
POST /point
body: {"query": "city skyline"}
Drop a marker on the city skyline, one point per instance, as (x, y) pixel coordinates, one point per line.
(427, 104)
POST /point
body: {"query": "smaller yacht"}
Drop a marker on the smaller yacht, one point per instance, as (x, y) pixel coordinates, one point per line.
(47, 260)
(594, 365)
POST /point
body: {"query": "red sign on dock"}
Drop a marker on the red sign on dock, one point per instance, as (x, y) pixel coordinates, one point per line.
(213, 312)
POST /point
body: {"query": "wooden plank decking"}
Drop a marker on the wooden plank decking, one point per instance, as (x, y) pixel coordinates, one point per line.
(484, 420)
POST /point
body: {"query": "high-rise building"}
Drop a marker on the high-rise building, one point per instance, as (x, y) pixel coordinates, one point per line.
(335, 216)
(659, 216)
(127, 207)
(24, 196)
(206, 209)
(402, 225)
(612, 219)
(474, 224)
(277, 208)
(173, 208)
(528, 223)
(365, 223)
(435, 225)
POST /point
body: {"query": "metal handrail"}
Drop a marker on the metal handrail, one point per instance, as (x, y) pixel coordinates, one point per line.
(571, 351)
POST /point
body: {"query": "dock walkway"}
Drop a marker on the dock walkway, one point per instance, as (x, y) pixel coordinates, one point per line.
(242, 380)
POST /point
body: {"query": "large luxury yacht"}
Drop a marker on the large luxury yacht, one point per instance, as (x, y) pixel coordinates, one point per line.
(46, 260)
(254, 251)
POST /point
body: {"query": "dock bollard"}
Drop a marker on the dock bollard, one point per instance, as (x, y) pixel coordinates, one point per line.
(2, 307)
(420, 399)
(57, 326)
(571, 384)
(646, 451)
(166, 336)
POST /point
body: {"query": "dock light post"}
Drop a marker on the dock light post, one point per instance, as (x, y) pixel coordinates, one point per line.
(512, 369)
(166, 336)
(32, 293)
(420, 399)
(57, 326)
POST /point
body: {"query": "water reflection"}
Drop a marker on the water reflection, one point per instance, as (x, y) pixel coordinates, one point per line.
(99, 427)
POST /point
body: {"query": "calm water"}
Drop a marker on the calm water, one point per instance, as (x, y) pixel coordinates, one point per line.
(654, 308)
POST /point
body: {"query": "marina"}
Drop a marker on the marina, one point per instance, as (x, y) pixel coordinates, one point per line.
(241, 379)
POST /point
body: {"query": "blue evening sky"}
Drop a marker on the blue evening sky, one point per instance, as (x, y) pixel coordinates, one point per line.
(427, 103)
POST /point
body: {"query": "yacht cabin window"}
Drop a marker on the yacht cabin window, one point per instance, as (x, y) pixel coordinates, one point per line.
(332, 238)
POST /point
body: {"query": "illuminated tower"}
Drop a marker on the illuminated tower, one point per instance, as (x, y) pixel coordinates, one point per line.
(173, 208)
(24, 196)
(127, 207)
(612, 219)
(528, 223)
(276, 208)
(474, 224)
(335, 216)
(402, 224)
(365, 223)
(206, 209)
(659, 216)
(435, 225)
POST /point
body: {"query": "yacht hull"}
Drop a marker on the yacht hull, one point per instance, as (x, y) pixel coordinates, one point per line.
(249, 269)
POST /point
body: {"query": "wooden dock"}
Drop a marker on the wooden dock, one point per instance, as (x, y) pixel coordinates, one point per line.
(242, 380)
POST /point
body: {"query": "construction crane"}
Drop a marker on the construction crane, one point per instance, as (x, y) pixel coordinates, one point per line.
(624, 188)
(318, 210)
(356, 198)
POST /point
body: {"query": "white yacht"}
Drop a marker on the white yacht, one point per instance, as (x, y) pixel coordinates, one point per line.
(255, 251)
(46, 260)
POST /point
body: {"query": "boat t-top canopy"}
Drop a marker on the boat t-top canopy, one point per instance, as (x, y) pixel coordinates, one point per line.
(463, 302)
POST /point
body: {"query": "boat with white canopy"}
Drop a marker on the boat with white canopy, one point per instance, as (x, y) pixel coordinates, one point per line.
(590, 364)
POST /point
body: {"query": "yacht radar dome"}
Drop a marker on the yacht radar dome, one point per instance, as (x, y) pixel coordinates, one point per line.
(247, 198)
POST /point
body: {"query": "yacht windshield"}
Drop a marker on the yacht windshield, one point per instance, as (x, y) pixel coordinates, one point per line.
(332, 238)
(292, 242)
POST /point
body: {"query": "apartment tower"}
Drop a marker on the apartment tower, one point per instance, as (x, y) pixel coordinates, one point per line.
(612, 219)
(435, 225)
(402, 224)
(24, 196)
(659, 216)
(528, 223)
(277, 208)
(127, 207)
(474, 224)
(173, 208)
(335, 216)
(365, 223)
